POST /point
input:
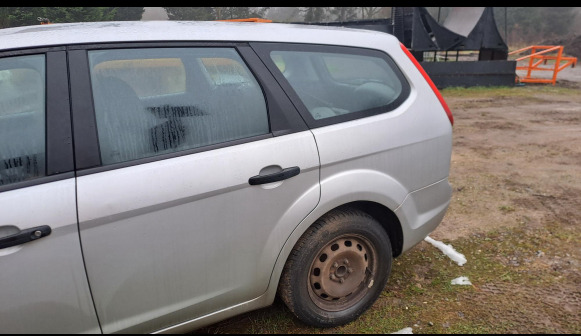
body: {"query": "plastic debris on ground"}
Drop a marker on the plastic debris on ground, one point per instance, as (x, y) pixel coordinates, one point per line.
(461, 281)
(407, 330)
(448, 250)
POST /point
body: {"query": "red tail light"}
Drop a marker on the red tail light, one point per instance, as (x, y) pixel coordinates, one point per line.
(429, 80)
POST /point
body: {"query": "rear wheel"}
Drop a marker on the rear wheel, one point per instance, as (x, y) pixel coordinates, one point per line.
(337, 269)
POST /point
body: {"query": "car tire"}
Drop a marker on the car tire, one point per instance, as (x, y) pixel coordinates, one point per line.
(337, 269)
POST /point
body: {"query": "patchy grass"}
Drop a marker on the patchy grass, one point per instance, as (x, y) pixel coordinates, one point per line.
(506, 208)
(529, 90)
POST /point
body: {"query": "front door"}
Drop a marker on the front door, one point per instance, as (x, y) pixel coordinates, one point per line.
(43, 285)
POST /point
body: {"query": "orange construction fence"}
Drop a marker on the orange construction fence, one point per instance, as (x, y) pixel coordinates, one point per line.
(539, 56)
(43, 21)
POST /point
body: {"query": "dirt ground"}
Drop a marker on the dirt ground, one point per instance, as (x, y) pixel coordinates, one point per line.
(516, 163)
(522, 150)
(515, 214)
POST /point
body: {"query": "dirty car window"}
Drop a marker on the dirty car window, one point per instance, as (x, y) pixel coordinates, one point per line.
(22, 118)
(163, 100)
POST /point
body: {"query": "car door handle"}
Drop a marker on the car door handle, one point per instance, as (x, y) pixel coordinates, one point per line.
(275, 177)
(25, 236)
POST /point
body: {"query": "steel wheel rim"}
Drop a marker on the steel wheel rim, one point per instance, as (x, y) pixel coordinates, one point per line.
(342, 272)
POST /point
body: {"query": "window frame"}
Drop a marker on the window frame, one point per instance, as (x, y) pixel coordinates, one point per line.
(263, 50)
(58, 131)
(282, 115)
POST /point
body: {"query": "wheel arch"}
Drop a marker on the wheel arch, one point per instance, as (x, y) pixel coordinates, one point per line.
(369, 190)
(386, 217)
(383, 214)
(346, 258)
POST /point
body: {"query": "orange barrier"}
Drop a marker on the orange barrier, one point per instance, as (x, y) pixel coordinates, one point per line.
(539, 56)
(43, 21)
(247, 20)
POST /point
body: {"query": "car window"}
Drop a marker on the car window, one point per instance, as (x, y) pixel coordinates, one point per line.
(224, 71)
(162, 75)
(22, 118)
(157, 101)
(356, 69)
(333, 84)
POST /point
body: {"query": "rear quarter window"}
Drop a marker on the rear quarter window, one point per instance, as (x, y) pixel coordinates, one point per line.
(336, 84)
(332, 84)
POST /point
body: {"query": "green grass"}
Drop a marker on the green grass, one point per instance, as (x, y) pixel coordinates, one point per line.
(506, 208)
(529, 90)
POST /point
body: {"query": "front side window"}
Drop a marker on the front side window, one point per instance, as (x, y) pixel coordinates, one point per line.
(332, 84)
(156, 101)
(22, 118)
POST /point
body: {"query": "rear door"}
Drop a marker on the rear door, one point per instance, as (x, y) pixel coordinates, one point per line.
(43, 285)
(194, 168)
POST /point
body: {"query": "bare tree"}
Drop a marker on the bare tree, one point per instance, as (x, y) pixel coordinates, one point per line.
(344, 13)
(284, 14)
(314, 14)
(369, 12)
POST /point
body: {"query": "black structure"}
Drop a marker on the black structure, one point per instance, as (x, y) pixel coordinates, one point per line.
(465, 29)
(471, 73)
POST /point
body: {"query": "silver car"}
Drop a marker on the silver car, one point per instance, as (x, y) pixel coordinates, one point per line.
(161, 176)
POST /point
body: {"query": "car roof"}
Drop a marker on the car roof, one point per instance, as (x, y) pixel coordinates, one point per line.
(143, 31)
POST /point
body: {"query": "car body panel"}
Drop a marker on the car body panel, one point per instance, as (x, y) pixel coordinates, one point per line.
(422, 211)
(44, 286)
(176, 242)
(183, 237)
(142, 31)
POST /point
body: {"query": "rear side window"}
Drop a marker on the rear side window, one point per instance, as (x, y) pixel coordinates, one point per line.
(163, 100)
(331, 84)
(22, 118)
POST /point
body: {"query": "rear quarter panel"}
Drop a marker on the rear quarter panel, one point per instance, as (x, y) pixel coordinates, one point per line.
(385, 159)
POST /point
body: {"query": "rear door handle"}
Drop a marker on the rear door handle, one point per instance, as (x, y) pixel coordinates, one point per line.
(275, 177)
(25, 236)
